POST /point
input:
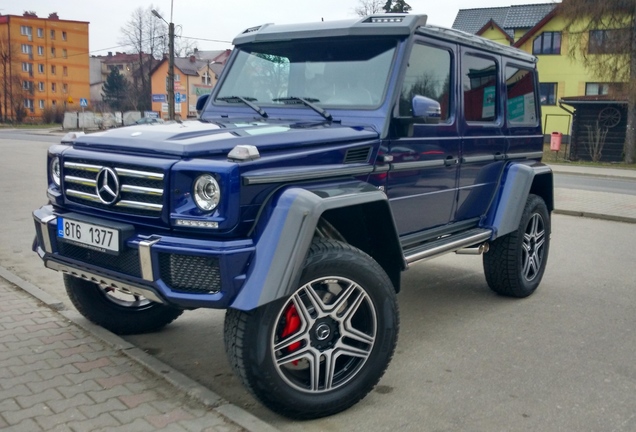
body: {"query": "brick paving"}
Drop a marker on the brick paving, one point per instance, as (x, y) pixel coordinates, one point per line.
(54, 376)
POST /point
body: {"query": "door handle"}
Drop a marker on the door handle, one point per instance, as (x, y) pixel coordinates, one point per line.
(499, 156)
(450, 161)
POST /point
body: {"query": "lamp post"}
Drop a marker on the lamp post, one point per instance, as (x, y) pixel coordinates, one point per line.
(170, 64)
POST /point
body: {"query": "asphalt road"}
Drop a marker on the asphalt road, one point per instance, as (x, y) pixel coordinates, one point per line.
(596, 184)
(467, 360)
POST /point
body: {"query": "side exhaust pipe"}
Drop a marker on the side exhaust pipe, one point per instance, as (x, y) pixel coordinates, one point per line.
(477, 250)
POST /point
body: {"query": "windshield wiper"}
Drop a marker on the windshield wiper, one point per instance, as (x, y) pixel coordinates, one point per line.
(247, 101)
(308, 102)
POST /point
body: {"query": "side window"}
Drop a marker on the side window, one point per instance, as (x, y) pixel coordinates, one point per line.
(479, 84)
(520, 89)
(428, 74)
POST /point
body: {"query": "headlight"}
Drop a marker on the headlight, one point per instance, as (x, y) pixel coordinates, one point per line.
(207, 192)
(55, 171)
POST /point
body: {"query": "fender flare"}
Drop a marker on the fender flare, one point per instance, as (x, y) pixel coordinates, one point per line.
(518, 182)
(284, 239)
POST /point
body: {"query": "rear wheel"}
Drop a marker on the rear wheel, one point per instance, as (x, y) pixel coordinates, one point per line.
(116, 311)
(515, 263)
(324, 348)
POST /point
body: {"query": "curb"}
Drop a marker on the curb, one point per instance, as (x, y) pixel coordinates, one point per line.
(591, 215)
(176, 379)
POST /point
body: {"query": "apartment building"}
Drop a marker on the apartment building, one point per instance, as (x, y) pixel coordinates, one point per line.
(48, 63)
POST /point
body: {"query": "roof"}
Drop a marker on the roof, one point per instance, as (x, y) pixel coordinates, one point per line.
(189, 65)
(593, 99)
(508, 18)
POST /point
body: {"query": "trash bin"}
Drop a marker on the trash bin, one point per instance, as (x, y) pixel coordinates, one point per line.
(555, 141)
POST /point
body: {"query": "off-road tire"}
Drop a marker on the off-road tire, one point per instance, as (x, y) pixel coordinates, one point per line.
(120, 317)
(515, 263)
(251, 337)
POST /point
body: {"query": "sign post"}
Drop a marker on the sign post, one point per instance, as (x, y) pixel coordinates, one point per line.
(83, 104)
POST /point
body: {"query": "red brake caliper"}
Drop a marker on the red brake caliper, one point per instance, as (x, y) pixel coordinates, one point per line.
(292, 324)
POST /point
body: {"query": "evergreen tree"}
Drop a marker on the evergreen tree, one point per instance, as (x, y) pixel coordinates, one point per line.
(399, 6)
(116, 90)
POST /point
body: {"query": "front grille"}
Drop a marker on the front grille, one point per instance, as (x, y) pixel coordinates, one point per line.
(190, 274)
(127, 261)
(140, 188)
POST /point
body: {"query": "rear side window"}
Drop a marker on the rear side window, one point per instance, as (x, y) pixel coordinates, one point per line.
(479, 84)
(428, 74)
(520, 89)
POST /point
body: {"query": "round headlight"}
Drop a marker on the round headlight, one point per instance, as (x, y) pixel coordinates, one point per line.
(207, 193)
(55, 171)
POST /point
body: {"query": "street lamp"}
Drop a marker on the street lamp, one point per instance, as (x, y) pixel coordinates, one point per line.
(170, 63)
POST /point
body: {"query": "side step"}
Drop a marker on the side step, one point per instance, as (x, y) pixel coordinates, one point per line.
(447, 244)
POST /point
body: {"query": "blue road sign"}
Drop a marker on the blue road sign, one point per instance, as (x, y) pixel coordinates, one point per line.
(83, 102)
(177, 97)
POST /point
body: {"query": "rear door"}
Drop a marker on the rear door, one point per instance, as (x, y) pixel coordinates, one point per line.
(484, 143)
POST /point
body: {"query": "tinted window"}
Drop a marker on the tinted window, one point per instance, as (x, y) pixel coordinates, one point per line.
(428, 74)
(522, 107)
(479, 84)
(548, 93)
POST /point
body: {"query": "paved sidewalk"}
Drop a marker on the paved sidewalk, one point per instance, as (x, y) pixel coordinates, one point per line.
(599, 205)
(54, 376)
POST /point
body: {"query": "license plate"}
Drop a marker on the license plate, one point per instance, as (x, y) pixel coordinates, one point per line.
(96, 237)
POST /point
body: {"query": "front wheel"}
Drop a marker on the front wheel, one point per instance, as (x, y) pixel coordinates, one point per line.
(118, 312)
(515, 263)
(325, 347)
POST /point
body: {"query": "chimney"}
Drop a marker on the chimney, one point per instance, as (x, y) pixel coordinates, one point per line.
(30, 14)
(54, 16)
(192, 59)
(110, 53)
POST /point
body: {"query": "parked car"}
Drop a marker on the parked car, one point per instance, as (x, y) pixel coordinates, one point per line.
(328, 158)
(149, 120)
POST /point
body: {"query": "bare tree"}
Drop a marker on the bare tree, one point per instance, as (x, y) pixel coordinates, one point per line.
(369, 7)
(10, 84)
(603, 37)
(146, 36)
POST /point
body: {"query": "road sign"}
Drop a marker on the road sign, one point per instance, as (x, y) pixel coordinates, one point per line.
(83, 102)
(177, 97)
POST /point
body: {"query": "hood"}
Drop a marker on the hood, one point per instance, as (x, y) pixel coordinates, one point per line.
(197, 138)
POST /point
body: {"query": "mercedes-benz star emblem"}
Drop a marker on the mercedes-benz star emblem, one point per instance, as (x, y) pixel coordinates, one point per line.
(322, 332)
(107, 186)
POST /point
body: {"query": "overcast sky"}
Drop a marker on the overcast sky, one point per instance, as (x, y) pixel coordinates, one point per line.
(222, 20)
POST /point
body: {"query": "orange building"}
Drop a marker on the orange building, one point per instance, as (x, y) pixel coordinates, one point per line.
(50, 57)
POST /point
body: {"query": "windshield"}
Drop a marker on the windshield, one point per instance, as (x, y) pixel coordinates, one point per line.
(331, 72)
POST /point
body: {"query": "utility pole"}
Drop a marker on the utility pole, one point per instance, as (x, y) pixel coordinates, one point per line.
(171, 71)
(170, 63)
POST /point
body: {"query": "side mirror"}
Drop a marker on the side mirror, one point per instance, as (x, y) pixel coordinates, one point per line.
(201, 102)
(426, 110)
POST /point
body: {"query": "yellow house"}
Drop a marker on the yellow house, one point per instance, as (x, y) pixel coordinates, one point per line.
(192, 78)
(538, 29)
(49, 57)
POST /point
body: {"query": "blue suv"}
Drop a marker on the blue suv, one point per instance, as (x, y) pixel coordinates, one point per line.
(329, 157)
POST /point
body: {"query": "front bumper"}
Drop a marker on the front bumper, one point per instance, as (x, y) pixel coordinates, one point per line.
(180, 271)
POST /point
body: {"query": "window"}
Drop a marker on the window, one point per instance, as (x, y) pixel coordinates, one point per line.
(53, 103)
(41, 103)
(609, 41)
(177, 77)
(41, 86)
(479, 84)
(428, 74)
(64, 88)
(26, 30)
(53, 87)
(596, 89)
(65, 71)
(548, 92)
(63, 35)
(40, 50)
(547, 43)
(40, 33)
(64, 53)
(25, 85)
(28, 104)
(27, 49)
(53, 69)
(52, 34)
(521, 104)
(41, 68)
(52, 52)
(25, 67)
